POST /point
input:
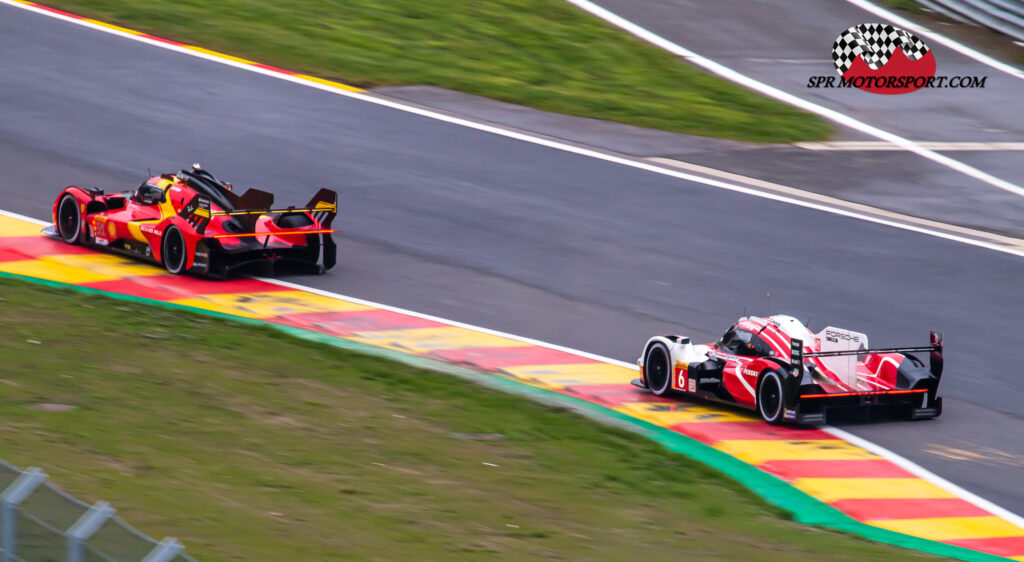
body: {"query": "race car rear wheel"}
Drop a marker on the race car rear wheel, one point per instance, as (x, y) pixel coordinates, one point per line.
(771, 397)
(173, 250)
(69, 219)
(657, 369)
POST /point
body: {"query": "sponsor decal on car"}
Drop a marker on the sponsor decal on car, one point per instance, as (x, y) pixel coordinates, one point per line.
(151, 229)
(692, 385)
(99, 229)
(750, 372)
(789, 414)
(834, 336)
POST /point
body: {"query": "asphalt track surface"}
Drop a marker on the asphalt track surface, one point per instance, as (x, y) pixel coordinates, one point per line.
(512, 236)
(783, 43)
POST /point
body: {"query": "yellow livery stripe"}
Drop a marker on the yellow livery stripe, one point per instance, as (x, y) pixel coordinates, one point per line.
(135, 228)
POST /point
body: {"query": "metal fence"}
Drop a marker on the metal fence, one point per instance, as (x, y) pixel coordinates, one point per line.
(41, 523)
(1004, 16)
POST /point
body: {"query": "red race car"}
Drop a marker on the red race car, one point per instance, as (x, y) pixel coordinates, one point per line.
(776, 366)
(192, 222)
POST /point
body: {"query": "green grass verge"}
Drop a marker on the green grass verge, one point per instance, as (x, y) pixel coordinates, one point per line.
(541, 53)
(252, 445)
(909, 6)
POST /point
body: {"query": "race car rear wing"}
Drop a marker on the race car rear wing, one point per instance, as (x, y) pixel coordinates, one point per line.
(797, 355)
(254, 202)
(323, 206)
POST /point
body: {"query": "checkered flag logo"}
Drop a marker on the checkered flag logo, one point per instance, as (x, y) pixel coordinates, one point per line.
(875, 43)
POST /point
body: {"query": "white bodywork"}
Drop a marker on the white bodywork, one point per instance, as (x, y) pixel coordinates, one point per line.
(681, 349)
(829, 339)
(838, 339)
(792, 327)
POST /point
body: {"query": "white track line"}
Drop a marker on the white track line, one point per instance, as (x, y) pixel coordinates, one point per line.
(786, 97)
(24, 218)
(930, 145)
(525, 137)
(937, 37)
(902, 462)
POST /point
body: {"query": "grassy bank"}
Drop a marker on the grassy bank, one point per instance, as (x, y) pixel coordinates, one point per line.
(909, 6)
(541, 53)
(251, 445)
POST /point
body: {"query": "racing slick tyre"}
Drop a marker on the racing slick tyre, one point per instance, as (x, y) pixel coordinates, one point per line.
(173, 249)
(657, 370)
(771, 397)
(69, 220)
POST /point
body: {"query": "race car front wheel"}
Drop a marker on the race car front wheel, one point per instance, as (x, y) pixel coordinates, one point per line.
(771, 397)
(69, 219)
(657, 371)
(173, 251)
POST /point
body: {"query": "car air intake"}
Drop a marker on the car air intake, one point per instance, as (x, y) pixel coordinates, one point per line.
(293, 220)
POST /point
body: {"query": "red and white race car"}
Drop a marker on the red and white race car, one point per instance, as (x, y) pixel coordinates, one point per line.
(778, 367)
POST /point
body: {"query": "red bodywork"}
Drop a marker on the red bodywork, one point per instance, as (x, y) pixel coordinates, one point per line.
(777, 366)
(221, 231)
(877, 372)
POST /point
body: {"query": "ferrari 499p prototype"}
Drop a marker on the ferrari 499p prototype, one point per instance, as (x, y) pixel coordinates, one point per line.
(192, 222)
(776, 366)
